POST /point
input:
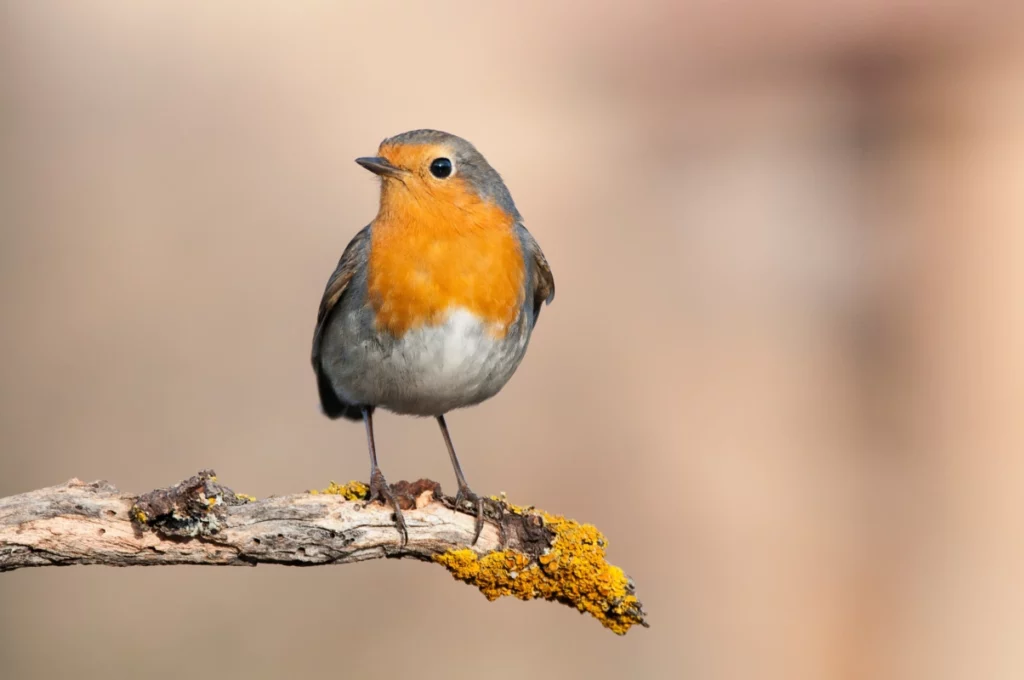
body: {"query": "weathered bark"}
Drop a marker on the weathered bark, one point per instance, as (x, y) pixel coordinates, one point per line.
(200, 521)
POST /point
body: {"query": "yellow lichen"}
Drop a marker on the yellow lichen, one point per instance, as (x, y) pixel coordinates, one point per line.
(138, 515)
(353, 491)
(572, 571)
(245, 497)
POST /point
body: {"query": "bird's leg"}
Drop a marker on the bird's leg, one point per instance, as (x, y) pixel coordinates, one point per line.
(380, 491)
(465, 493)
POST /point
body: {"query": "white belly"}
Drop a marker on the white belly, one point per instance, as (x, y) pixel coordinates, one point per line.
(432, 370)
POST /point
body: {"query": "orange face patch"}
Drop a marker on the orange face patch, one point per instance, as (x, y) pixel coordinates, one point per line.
(413, 157)
(436, 245)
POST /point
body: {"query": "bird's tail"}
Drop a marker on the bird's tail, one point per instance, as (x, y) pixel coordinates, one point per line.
(332, 406)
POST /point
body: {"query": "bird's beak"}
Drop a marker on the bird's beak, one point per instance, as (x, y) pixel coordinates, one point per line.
(379, 165)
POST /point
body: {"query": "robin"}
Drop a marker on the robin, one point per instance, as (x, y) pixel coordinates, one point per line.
(432, 304)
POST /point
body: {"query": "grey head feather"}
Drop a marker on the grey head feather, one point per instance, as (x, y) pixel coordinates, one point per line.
(469, 164)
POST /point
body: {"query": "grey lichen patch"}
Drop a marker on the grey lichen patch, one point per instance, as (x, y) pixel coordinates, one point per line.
(194, 507)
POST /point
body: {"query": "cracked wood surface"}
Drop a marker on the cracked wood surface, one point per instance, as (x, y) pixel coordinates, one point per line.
(95, 523)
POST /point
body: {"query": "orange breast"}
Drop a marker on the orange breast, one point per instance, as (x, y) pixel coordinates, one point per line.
(431, 253)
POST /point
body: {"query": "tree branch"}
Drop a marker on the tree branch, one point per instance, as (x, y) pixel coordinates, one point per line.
(521, 552)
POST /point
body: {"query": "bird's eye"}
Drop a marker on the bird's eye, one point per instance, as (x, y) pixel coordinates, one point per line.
(441, 168)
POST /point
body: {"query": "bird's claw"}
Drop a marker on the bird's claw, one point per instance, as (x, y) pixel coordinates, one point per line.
(380, 492)
(466, 495)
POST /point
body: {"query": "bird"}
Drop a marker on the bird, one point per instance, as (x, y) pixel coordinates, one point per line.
(432, 304)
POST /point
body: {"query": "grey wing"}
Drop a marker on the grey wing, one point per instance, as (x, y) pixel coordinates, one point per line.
(540, 282)
(355, 255)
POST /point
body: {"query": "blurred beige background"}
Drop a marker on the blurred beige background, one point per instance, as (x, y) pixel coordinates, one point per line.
(783, 372)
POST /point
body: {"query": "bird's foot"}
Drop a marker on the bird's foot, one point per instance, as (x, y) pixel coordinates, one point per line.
(466, 496)
(380, 491)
